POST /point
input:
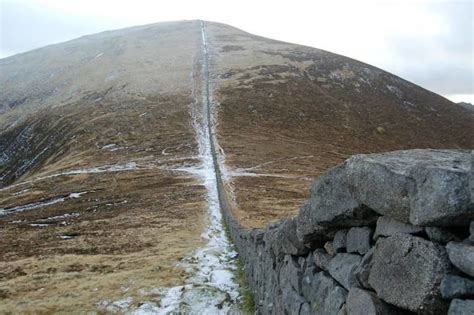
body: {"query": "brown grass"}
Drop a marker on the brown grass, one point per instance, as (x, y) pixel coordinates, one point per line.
(132, 227)
(297, 111)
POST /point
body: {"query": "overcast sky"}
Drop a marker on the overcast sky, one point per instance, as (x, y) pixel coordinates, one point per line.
(429, 42)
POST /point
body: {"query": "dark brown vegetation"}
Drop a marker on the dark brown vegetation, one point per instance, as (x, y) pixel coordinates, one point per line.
(293, 118)
(135, 217)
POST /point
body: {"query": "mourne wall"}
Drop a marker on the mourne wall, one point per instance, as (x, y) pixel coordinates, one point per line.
(388, 233)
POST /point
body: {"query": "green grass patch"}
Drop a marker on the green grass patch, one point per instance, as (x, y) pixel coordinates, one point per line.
(247, 301)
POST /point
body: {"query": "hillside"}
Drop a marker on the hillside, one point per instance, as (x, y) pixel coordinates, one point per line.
(287, 113)
(104, 117)
(103, 168)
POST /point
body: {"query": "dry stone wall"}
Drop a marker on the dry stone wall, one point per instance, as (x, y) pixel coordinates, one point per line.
(389, 233)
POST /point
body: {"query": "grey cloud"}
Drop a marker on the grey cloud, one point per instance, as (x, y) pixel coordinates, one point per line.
(25, 27)
(443, 63)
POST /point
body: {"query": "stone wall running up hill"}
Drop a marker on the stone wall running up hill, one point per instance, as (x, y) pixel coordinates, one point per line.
(388, 233)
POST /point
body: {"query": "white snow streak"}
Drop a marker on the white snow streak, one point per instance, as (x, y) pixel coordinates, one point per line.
(41, 204)
(129, 166)
(211, 287)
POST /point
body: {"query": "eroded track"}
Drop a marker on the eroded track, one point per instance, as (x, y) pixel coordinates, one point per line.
(211, 287)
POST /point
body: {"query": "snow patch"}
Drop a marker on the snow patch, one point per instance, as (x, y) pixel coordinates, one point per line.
(30, 206)
(211, 287)
(77, 195)
(109, 146)
(39, 225)
(147, 308)
(21, 192)
(41, 204)
(29, 163)
(116, 306)
(395, 90)
(17, 221)
(116, 203)
(122, 167)
(61, 217)
(112, 147)
(170, 301)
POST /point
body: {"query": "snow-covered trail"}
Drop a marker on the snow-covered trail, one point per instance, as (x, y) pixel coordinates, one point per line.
(216, 261)
(211, 287)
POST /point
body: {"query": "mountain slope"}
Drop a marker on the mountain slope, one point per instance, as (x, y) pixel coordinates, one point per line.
(98, 146)
(104, 119)
(287, 113)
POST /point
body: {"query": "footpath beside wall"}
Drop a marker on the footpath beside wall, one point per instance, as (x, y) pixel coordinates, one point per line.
(388, 233)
